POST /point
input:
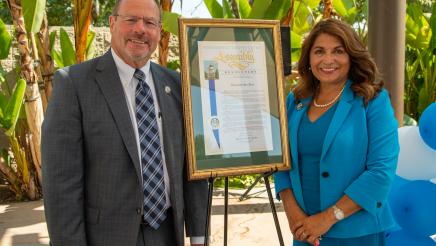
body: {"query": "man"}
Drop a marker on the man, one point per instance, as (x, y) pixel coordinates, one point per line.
(113, 149)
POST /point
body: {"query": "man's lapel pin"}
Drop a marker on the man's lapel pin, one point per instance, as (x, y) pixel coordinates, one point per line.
(167, 89)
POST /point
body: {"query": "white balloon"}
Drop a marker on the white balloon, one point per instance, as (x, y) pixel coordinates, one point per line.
(416, 161)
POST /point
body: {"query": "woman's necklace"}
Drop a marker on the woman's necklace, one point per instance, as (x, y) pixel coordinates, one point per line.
(329, 103)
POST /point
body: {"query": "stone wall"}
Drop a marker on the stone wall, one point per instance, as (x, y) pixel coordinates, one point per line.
(101, 44)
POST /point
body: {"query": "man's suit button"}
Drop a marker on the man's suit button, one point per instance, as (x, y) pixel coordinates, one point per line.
(325, 174)
(138, 211)
(379, 204)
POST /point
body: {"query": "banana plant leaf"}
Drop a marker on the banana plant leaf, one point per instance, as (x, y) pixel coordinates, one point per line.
(244, 8)
(433, 28)
(11, 110)
(3, 103)
(57, 58)
(215, 9)
(277, 9)
(5, 41)
(56, 55)
(417, 28)
(52, 38)
(90, 49)
(343, 6)
(67, 49)
(227, 10)
(258, 9)
(33, 13)
(346, 9)
(170, 22)
(302, 15)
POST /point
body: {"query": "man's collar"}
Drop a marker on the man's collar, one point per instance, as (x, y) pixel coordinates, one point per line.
(126, 71)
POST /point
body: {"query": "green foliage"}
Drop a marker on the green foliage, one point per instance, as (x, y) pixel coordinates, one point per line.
(277, 9)
(10, 109)
(420, 70)
(433, 28)
(33, 13)
(417, 28)
(215, 9)
(305, 16)
(258, 9)
(67, 49)
(409, 121)
(102, 11)
(261, 9)
(90, 49)
(174, 65)
(227, 9)
(66, 56)
(239, 182)
(354, 12)
(59, 13)
(170, 22)
(244, 8)
(5, 41)
(5, 15)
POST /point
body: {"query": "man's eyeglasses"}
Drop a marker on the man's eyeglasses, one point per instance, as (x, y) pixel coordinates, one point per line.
(150, 23)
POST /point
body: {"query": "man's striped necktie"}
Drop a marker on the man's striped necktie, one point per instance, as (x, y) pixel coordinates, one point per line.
(151, 154)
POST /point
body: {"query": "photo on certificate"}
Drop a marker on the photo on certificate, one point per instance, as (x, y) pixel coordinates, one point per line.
(233, 97)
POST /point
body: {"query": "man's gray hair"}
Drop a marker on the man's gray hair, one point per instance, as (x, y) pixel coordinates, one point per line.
(118, 2)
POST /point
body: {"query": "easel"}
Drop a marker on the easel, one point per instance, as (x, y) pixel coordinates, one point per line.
(226, 205)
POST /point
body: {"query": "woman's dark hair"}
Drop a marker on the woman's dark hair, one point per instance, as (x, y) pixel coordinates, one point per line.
(363, 70)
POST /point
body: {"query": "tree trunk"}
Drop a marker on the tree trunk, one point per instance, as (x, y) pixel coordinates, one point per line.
(287, 21)
(32, 97)
(82, 14)
(235, 9)
(47, 64)
(15, 182)
(37, 68)
(165, 37)
(328, 8)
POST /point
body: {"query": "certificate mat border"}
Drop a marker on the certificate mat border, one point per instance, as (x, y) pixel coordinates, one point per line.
(193, 172)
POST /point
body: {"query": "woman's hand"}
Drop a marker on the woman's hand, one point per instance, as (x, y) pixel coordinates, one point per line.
(313, 227)
(295, 219)
(293, 212)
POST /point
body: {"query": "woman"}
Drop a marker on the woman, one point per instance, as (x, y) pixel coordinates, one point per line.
(344, 144)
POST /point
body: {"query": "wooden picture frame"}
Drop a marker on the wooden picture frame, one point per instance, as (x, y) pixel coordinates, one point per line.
(233, 97)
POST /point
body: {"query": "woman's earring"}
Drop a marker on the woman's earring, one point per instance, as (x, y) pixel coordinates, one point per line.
(310, 68)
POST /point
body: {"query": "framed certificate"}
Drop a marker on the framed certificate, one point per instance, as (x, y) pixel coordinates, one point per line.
(233, 97)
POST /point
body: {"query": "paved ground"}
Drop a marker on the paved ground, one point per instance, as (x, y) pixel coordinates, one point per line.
(250, 222)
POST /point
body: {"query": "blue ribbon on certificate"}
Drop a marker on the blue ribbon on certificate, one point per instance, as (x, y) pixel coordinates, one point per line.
(213, 111)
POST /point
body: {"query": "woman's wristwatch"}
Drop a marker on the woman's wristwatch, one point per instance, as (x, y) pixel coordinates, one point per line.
(339, 213)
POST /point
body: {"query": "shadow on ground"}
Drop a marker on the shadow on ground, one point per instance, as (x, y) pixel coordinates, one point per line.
(16, 219)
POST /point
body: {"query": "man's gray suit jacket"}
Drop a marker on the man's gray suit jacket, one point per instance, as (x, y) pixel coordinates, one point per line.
(91, 171)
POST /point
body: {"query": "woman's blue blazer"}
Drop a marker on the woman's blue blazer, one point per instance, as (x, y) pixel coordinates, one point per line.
(359, 158)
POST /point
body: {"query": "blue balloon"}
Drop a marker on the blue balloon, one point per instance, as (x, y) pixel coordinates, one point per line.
(427, 126)
(397, 184)
(414, 207)
(402, 238)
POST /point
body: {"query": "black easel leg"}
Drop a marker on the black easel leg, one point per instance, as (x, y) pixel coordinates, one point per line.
(244, 196)
(273, 209)
(226, 208)
(209, 208)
